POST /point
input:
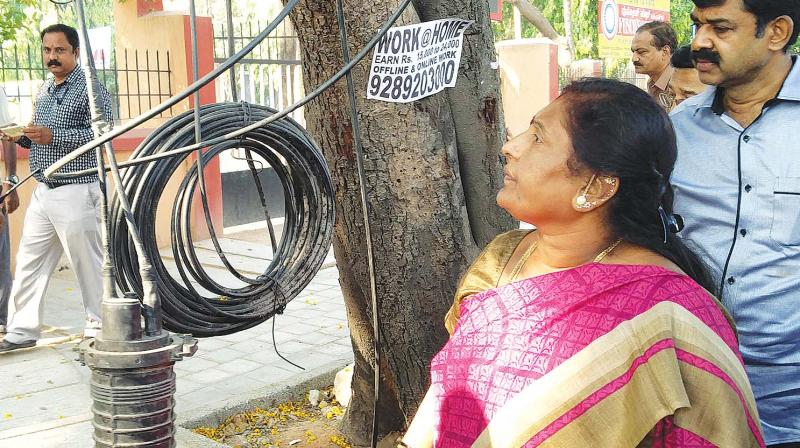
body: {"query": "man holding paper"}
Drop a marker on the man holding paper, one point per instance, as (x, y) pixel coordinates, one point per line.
(63, 216)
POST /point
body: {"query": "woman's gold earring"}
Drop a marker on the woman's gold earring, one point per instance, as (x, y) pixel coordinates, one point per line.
(581, 201)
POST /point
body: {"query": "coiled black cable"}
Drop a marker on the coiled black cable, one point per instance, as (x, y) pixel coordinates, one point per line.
(307, 232)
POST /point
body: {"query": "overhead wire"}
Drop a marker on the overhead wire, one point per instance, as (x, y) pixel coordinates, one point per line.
(52, 171)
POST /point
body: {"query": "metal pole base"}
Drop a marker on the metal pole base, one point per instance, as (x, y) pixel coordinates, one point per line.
(132, 382)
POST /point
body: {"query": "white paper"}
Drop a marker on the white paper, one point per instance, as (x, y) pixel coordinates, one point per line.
(415, 61)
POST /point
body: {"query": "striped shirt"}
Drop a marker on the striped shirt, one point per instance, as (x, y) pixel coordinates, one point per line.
(64, 108)
(739, 191)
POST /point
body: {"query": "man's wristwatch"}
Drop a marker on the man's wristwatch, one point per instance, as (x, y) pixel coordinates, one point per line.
(11, 180)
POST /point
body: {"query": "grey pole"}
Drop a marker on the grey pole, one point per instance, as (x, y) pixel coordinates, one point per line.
(231, 48)
(132, 381)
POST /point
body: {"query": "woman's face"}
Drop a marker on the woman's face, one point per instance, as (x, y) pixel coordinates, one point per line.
(539, 187)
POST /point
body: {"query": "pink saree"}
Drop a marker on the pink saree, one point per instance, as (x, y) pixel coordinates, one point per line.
(595, 356)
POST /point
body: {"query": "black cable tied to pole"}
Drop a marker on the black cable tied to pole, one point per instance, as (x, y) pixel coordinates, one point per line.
(307, 232)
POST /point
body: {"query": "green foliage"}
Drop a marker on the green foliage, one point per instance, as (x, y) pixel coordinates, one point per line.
(681, 22)
(14, 17)
(584, 23)
(20, 20)
(585, 28)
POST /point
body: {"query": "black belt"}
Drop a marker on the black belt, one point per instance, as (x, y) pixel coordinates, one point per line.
(53, 186)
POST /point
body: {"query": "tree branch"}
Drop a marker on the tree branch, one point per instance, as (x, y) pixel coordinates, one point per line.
(536, 18)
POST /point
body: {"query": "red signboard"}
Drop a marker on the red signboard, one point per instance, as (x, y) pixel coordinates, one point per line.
(496, 10)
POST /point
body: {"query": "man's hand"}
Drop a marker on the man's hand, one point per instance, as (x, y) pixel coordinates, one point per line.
(11, 203)
(40, 135)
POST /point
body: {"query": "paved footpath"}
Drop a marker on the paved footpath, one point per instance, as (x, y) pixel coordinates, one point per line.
(44, 396)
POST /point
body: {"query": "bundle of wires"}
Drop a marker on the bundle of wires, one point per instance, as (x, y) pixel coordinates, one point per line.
(298, 255)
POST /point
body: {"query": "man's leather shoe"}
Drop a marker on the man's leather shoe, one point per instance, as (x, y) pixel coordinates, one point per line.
(6, 346)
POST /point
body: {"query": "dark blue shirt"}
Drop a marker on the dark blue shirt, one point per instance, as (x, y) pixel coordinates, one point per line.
(64, 108)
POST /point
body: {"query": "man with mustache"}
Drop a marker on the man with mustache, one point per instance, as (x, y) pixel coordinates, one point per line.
(651, 50)
(737, 184)
(63, 216)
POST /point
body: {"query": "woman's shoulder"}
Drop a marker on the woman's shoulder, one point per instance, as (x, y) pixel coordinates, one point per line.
(485, 271)
(677, 287)
(640, 256)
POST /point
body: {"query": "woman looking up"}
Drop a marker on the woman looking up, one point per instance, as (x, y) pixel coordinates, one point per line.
(599, 328)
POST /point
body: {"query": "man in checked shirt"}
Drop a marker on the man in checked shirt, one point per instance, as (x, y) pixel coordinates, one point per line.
(63, 216)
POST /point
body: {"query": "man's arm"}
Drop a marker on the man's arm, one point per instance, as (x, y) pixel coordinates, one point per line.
(9, 155)
(10, 161)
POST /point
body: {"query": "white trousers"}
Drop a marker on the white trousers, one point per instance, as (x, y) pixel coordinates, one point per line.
(63, 220)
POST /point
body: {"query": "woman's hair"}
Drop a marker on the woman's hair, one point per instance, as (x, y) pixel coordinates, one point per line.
(618, 130)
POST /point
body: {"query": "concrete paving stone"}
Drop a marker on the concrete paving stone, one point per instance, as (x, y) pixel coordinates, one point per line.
(193, 365)
(317, 338)
(211, 344)
(312, 358)
(254, 346)
(326, 274)
(296, 328)
(329, 321)
(330, 307)
(239, 366)
(335, 350)
(221, 356)
(36, 370)
(183, 386)
(209, 377)
(44, 406)
(294, 346)
(247, 266)
(238, 337)
(280, 336)
(275, 375)
(77, 435)
(306, 317)
(345, 340)
(259, 249)
(269, 357)
(332, 293)
(335, 331)
(326, 284)
(204, 396)
(246, 384)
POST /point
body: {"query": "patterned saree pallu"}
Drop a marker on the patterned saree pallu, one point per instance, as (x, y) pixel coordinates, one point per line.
(595, 356)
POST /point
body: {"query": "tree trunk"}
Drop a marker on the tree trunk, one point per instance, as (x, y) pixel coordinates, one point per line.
(418, 157)
(568, 29)
(536, 18)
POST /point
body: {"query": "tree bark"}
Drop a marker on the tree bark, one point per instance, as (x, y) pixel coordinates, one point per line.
(568, 28)
(536, 18)
(416, 156)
